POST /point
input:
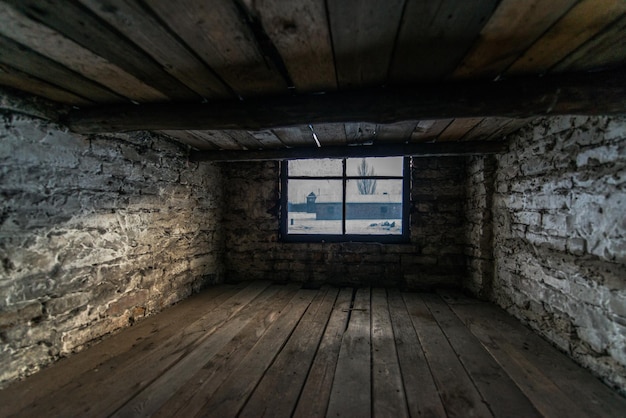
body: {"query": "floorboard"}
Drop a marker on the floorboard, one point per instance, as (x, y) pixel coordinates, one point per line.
(351, 390)
(262, 349)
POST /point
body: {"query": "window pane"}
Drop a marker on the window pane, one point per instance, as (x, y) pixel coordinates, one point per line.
(377, 213)
(314, 207)
(383, 166)
(320, 167)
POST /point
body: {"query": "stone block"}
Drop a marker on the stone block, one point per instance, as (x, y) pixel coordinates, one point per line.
(20, 313)
(66, 303)
(576, 246)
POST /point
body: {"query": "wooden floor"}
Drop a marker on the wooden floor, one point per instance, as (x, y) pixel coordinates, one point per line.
(259, 349)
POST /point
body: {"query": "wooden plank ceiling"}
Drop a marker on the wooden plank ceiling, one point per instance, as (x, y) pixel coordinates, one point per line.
(90, 53)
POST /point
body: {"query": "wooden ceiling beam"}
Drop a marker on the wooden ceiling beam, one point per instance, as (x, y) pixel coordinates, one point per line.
(520, 97)
(433, 149)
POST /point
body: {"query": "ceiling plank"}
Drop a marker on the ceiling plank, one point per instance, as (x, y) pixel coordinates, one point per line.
(458, 128)
(363, 34)
(400, 131)
(581, 23)
(267, 138)
(429, 130)
(435, 36)
(485, 128)
(219, 35)
(244, 138)
(513, 27)
(25, 60)
(591, 94)
(143, 28)
(55, 46)
(218, 138)
(10, 77)
(387, 150)
(359, 133)
(508, 128)
(187, 138)
(605, 49)
(330, 134)
(295, 136)
(76, 23)
(299, 30)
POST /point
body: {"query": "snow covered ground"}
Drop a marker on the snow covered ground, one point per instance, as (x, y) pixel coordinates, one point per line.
(305, 223)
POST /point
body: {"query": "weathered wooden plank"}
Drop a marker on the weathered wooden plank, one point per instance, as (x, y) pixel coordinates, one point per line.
(16, 79)
(189, 400)
(363, 34)
(388, 398)
(56, 47)
(153, 396)
(460, 396)
(220, 139)
(288, 373)
(299, 30)
(429, 130)
(508, 128)
(76, 23)
(486, 128)
(25, 60)
(419, 386)
(553, 382)
(232, 394)
(518, 97)
(360, 133)
(267, 138)
(136, 373)
(296, 136)
(88, 368)
(330, 134)
(421, 149)
(315, 394)
(607, 49)
(246, 140)
(187, 138)
(434, 37)
(395, 132)
(458, 128)
(350, 395)
(220, 36)
(514, 26)
(580, 24)
(131, 19)
(502, 395)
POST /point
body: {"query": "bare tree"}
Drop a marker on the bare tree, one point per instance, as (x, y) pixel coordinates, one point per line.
(366, 186)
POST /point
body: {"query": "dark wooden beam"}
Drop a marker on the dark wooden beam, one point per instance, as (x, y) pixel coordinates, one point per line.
(435, 149)
(589, 94)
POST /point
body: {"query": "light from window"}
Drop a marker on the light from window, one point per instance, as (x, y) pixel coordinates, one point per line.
(353, 199)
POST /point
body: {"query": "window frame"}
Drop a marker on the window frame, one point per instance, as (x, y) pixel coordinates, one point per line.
(404, 237)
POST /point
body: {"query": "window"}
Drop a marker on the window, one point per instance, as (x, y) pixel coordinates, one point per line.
(350, 199)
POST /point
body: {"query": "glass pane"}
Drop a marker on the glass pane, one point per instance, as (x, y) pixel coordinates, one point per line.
(377, 213)
(314, 207)
(319, 167)
(375, 166)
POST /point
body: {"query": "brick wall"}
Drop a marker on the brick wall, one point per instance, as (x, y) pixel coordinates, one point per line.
(434, 256)
(95, 233)
(560, 237)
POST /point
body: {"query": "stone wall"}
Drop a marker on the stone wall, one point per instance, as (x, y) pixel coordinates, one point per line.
(560, 237)
(434, 257)
(95, 233)
(479, 225)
